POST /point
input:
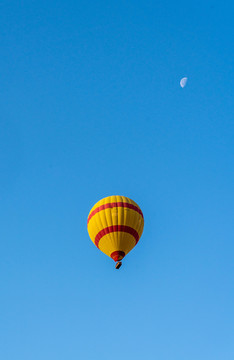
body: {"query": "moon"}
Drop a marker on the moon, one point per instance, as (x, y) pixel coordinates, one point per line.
(183, 82)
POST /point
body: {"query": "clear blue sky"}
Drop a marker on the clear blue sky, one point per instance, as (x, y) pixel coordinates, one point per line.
(90, 106)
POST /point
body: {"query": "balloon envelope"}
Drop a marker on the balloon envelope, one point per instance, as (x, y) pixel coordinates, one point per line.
(115, 225)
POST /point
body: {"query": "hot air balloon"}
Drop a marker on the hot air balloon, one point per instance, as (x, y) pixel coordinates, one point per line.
(115, 225)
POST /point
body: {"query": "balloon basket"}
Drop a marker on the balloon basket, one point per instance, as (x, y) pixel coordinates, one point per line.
(118, 265)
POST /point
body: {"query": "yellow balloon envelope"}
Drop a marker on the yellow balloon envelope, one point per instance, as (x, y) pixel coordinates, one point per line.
(115, 225)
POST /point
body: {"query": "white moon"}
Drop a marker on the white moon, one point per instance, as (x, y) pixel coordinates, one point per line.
(183, 82)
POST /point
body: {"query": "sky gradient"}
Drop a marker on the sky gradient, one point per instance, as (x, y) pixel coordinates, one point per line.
(91, 106)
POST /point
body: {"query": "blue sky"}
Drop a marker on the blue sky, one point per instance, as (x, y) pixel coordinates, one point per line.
(90, 106)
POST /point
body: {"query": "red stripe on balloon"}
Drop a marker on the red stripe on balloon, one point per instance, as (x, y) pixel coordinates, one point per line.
(112, 205)
(116, 228)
